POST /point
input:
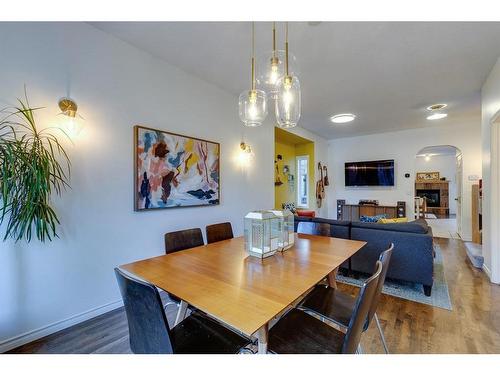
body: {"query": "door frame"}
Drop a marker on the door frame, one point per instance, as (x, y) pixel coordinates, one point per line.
(494, 221)
(459, 152)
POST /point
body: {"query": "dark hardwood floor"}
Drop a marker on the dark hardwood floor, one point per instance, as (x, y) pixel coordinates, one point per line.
(472, 327)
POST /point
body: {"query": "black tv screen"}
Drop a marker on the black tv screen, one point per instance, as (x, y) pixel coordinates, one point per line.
(370, 173)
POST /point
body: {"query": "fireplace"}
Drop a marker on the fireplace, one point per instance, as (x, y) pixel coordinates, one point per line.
(432, 197)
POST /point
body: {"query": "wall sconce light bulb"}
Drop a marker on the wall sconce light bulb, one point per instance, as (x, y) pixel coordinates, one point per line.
(72, 123)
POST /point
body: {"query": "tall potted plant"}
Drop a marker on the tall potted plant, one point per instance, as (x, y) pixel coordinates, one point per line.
(33, 165)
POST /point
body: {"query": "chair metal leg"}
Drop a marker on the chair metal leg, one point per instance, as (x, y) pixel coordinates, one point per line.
(382, 337)
(170, 303)
(181, 312)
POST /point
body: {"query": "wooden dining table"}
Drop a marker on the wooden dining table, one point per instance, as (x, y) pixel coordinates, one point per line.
(241, 291)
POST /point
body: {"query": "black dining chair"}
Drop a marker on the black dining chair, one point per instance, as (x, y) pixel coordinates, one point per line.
(300, 333)
(150, 333)
(219, 232)
(178, 241)
(183, 239)
(338, 307)
(318, 229)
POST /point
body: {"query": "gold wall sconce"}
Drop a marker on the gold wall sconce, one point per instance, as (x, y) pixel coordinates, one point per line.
(72, 124)
(245, 154)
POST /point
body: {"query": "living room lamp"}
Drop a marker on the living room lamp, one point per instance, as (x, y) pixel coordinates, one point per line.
(253, 103)
(287, 105)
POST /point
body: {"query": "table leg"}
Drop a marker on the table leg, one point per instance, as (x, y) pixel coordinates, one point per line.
(332, 282)
(181, 312)
(262, 339)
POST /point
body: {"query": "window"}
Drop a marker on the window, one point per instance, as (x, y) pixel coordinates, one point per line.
(303, 181)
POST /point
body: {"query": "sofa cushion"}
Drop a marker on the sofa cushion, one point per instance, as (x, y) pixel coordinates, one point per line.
(371, 219)
(412, 227)
(393, 220)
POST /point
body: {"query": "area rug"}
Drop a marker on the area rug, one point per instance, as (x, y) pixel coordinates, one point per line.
(440, 297)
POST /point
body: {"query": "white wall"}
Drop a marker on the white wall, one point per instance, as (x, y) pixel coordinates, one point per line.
(116, 87)
(490, 102)
(446, 165)
(402, 146)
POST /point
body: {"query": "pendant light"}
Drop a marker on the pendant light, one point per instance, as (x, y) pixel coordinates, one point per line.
(271, 67)
(252, 103)
(287, 105)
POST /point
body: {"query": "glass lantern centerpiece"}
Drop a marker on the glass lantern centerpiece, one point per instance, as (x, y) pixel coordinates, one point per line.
(284, 227)
(260, 239)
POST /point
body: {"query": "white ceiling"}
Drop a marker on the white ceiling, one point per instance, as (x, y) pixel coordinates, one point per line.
(384, 72)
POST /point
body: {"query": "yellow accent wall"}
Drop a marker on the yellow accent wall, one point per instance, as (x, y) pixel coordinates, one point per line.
(290, 146)
(284, 193)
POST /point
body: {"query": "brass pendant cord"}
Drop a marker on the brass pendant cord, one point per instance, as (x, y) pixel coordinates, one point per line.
(253, 56)
(286, 48)
(274, 39)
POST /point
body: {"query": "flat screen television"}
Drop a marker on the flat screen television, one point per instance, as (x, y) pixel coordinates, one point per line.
(370, 173)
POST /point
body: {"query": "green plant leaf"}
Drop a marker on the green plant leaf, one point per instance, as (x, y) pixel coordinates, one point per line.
(33, 166)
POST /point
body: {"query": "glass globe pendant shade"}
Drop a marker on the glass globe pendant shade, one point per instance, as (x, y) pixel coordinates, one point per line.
(253, 107)
(272, 68)
(288, 102)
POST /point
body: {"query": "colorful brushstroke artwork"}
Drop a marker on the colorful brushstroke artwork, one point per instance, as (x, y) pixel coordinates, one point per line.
(173, 170)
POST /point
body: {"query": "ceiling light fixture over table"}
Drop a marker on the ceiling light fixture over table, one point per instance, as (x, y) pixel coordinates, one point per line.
(288, 101)
(253, 102)
(271, 67)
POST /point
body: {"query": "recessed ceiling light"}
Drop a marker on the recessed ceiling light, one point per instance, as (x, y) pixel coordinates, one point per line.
(436, 107)
(342, 118)
(437, 116)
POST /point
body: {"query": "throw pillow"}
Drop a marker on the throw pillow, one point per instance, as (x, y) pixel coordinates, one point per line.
(372, 219)
(395, 220)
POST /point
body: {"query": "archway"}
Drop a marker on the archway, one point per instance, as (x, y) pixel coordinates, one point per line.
(438, 189)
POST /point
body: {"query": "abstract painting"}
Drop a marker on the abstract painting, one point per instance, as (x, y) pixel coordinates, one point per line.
(173, 170)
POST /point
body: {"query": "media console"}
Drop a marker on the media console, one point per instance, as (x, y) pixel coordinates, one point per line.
(352, 212)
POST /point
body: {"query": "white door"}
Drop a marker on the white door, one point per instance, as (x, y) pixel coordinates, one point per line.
(459, 194)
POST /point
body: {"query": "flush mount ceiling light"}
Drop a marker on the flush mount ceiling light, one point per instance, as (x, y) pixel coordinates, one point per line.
(342, 118)
(436, 107)
(437, 116)
(436, 113)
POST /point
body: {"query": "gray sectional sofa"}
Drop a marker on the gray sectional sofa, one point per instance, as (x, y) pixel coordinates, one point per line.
(413, 256)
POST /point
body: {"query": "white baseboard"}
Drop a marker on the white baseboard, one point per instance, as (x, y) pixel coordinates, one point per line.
(487, 270)
(38, 333)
